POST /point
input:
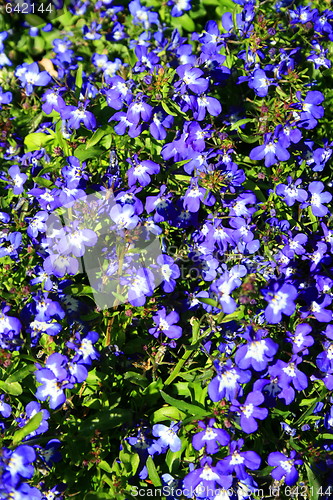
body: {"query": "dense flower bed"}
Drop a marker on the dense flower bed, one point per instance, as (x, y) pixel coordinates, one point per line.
(165, 250)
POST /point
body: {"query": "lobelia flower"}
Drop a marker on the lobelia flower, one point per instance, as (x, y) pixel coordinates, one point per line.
(124, 216)
(206, 477)
(139, 110)
(76, 116)
(311, 111)
(291, 192)
(170, 272)
(52, 101)
(257, 352)
(211, 437)
(324, 359)
(5, 408)
(287, 374)
(301, 339)
(280, 299)
(227, 382)
(179, 7)
(18, 178)
(250, 411)
(191, 78)
(159, 123)
(167, 436)
(30, 76)
(17, 464)
(53, 379)
(59, 265)
(238, 460)
(165, 323)
(5, 97)
(141, 171)
(140, 285)
(273, 150)
(223, 287)
(284, 466)
(37, 224)
(260, 83)
(318, 197)
(76, 240)
(30, 410)
(196, 195)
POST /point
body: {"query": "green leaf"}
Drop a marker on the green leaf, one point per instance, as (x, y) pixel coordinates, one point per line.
(43, 182)
(186, 407)
(97, 136)
(78, 78)
(185, 22)
(105, 466)
(36, 141)
(29, 427)
(20, 374)
(83, 154)
(136, 378)
(167, 413)
(167, 109)
(152, 472)
(210, 302)
(313, 482)
(14, 388)
(104, 420)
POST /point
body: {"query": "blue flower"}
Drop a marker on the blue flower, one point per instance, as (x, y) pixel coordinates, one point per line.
(280, 299)
(167, 436)
(284, 466)
(272, 150)
(211, 437)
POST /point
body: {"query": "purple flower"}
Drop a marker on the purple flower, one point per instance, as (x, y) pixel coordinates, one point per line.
(273, 151)
(59, 265)
(30, 76)
(75, 116)
(191, 78)
(18, 178)
(167, 436)
(76, 240)
(310, 107)
(284, 466)
(280, 299)
(141, 171)
(291, 192)
(238, 460)
(53, 379)
(5, 97)
(140, 285)
(301, 339)
(124, 216)
(17, 464)
(227, 382)
(165, 323)
(211, 437)
(37, 224)
(318, 197)
(5, 408)
(260, 83)
(256, 353)
(139, 110)
(207, 476)
(250, 411)
(170, 272)
(288, 374)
